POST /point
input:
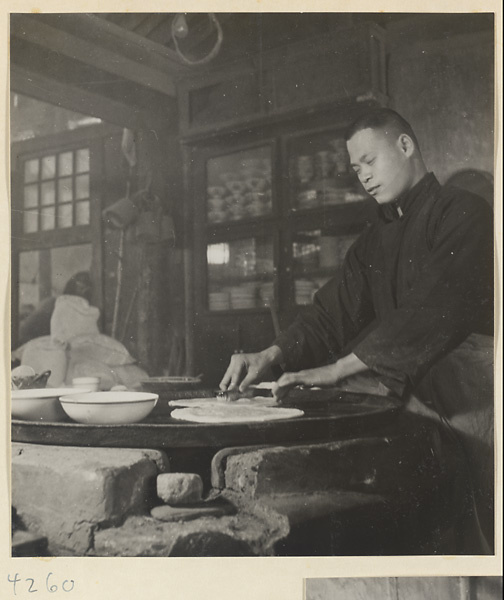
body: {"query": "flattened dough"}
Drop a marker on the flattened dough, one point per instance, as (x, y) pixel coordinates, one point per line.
(234, 412)
(207, 402)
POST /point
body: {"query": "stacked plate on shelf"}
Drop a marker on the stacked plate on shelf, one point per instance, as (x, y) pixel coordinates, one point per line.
(304, 288)
(243, 296)
(218, 301)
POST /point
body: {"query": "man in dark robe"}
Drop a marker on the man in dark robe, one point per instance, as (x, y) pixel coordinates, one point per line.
(416, 288)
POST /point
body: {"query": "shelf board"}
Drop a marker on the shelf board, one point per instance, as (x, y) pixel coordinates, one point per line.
(233, 312)
(242, 279)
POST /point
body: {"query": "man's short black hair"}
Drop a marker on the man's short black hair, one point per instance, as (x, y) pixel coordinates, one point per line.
(384, 119)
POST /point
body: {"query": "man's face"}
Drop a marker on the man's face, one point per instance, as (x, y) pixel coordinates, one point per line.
(382, 164)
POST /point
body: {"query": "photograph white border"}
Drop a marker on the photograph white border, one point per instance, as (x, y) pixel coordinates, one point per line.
(274, 578)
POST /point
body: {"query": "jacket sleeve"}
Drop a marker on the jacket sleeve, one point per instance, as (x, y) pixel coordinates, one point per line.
(341, 309)
(446, 302)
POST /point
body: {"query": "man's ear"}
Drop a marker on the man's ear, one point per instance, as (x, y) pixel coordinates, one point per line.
(406, 144)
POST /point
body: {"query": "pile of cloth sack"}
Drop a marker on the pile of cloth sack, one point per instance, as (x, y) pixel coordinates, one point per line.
(76, 348)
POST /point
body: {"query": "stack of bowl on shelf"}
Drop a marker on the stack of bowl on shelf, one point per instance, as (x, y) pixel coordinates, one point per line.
(217, 205)
(321, 177)
(245, 192)
(219, 300)
(243, 295)
(304, 289)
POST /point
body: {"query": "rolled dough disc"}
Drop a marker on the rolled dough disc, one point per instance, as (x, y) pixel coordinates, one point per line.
(234, 412)
(207, 402)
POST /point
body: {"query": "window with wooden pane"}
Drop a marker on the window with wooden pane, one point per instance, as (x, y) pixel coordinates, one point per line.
(56, 191)
(56, 225)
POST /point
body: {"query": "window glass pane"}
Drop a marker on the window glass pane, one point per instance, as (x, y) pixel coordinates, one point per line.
(31, 170)
(82, 160)
(48, 167)
(82, 213)
(65, 193)
(47, 218)
(67, 261)
(65, 164)
(43, 274)
(30, 221)
(47, 193)
(30, 196)
(65, 212)
(82, 187)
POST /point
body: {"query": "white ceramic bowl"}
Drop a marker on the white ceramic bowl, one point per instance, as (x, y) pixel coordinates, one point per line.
(39, 404)
(86, 384)
(111, 408)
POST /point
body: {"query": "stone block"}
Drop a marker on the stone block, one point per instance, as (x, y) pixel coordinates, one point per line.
(179, 488)
(64, 493)
(401, 463)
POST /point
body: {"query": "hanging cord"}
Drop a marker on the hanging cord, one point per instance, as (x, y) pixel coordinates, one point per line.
(213, 52)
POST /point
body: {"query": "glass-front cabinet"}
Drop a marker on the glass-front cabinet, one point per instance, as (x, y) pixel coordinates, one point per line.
(275, 212)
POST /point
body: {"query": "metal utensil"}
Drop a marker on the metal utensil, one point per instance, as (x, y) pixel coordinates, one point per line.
(233, 395)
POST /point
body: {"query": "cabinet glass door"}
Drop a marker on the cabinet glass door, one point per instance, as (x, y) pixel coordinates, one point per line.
(240, 273)
(316, 255)
(239, 185)
(319, 172)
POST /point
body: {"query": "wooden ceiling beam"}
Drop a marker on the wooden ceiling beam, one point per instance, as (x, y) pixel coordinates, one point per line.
(36, 32)
(116, 38)
(149, 23)
(161, 34)
(129, 20)
(24, 81)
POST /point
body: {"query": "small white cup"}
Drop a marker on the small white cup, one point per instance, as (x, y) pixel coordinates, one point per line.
(89, 384)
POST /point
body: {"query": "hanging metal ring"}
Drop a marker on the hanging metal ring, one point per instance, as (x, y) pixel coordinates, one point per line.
(213, 52)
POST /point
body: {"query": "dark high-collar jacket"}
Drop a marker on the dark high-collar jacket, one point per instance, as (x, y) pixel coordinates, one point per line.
(412, 287)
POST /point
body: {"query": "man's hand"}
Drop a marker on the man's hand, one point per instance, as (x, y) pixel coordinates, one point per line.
(321, 376)
(247, 368)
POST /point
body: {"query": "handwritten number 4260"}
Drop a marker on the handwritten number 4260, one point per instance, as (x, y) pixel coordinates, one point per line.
(66, 586)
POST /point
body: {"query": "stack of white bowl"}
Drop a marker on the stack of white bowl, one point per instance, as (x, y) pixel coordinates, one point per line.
(305, 288)
(217, 204)
(218, 301)
(308, 198)
(243, 296)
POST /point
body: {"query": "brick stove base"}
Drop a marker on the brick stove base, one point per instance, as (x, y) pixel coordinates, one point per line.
(392, 493)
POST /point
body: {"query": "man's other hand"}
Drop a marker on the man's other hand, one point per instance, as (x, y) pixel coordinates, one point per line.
(245, 369)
